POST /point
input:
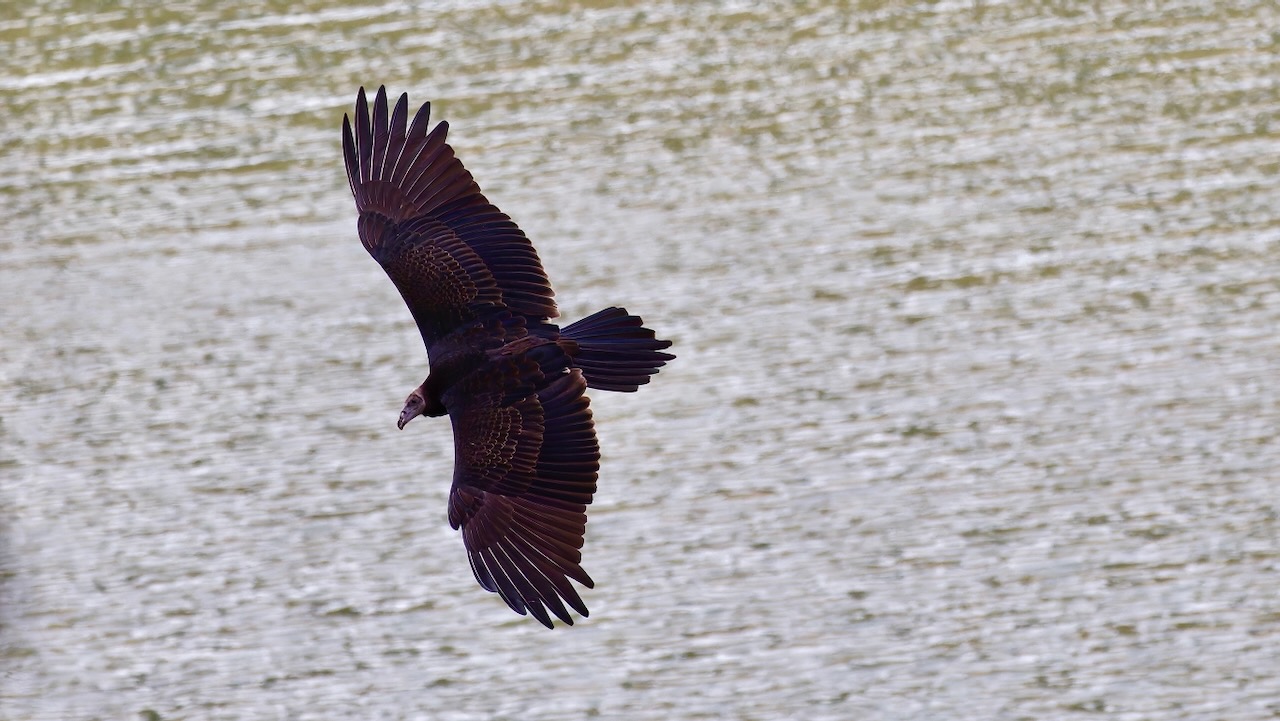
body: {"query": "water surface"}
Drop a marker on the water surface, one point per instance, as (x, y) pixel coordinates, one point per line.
(975, 415)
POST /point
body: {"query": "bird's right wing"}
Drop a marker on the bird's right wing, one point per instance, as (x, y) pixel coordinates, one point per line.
(525, 468)
(452, 254)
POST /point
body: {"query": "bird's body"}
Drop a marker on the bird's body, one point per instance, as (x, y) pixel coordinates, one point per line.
(512, 382)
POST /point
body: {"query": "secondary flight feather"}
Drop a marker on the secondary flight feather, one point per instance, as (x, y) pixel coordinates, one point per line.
(513, 383)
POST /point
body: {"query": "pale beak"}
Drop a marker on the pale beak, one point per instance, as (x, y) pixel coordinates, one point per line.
(406, 415)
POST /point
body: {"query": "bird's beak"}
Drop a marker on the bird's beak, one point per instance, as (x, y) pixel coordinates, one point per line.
(406, 415)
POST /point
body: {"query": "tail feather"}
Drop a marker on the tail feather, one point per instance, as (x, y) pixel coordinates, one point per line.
(614, 350)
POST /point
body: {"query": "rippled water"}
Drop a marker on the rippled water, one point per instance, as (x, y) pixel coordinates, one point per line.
(975, 414)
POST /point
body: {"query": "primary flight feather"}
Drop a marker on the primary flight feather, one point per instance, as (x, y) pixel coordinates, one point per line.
(512, 383)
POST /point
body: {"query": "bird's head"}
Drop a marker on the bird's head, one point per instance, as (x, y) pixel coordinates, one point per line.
(419, 403)
(413, 407)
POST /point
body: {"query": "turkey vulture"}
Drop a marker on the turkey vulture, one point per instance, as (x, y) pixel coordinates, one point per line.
(512, 383)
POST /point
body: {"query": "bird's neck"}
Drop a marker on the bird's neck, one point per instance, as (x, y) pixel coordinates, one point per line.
(431, 392)
(443, 375)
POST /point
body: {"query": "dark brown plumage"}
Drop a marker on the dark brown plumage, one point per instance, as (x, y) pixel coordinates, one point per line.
(512, 383)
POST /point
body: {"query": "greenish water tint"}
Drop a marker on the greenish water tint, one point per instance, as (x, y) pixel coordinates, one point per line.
(975, 415)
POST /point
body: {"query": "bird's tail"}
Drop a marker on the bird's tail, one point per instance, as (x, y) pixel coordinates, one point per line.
(614, 350)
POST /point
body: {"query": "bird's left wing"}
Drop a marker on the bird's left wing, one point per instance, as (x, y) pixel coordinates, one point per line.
(525, 468)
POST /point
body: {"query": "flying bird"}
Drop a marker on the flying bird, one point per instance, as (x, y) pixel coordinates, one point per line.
(512, 382)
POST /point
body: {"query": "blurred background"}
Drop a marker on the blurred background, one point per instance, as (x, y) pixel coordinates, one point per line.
(974, 417)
